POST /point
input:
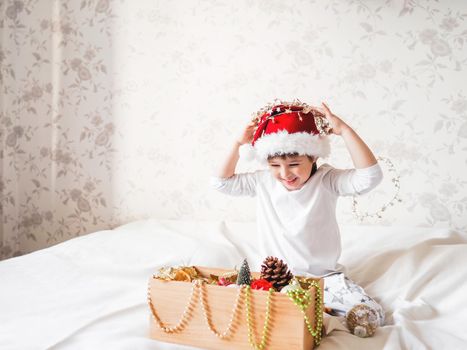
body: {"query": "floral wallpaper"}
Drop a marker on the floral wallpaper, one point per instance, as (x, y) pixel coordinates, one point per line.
(113, 111)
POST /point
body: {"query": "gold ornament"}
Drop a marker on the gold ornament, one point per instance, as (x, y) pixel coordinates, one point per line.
(362, 320)
(182, 273)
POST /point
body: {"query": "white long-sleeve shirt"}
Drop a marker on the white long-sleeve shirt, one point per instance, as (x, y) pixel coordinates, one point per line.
(300, 226)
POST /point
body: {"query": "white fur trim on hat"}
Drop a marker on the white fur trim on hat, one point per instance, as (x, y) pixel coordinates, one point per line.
(282, 142)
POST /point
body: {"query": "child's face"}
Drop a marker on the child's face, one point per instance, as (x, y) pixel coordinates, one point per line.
(292, 172)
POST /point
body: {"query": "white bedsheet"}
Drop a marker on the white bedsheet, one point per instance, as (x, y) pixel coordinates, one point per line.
(90, 292)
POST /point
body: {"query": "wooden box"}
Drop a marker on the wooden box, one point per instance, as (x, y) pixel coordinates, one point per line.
(287, 327)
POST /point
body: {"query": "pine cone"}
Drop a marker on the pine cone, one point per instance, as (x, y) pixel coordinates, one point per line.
(276, 271)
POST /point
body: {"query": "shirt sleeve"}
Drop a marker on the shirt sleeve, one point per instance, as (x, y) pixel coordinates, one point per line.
(347, 182)
(236, 185)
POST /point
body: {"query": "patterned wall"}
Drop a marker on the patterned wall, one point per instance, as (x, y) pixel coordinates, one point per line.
(113, 111)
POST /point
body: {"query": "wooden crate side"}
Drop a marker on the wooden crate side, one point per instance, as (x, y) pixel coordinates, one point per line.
(286, 330)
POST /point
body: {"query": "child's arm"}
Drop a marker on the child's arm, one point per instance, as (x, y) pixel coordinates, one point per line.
(362, 156)
(226, 180)
(367, 173)
(228, 168)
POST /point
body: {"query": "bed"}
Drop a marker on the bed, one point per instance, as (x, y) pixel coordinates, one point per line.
(90, 292)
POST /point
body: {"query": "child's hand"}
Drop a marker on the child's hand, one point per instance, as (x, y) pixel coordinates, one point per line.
(248, 133)
(335, 122)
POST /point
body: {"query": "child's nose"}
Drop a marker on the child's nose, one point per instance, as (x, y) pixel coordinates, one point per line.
(284, 172)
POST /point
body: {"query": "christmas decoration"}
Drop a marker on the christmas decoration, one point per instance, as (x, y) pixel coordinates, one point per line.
(261, 284)
(250, 320)
(275, 271)
(302, 299)
(293, 285)
(379, 213)
(244, 276)
(223, 281)
(362, 320)
(184, 318)
(198, 291)
(207, 313)
(288, 127)
(181, 273)
(198, 296)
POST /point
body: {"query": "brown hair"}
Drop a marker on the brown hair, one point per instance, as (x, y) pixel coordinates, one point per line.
(283, 156)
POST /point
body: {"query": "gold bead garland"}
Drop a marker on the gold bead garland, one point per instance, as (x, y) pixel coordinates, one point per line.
(302, 299)
(207, 313)
(379, 213)
(198, 285)
(250, 320)
(186, 315)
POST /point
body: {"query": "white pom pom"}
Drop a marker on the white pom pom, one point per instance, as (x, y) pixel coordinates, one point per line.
(247, 152)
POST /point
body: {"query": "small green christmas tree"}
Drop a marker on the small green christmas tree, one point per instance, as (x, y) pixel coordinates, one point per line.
(244, 276)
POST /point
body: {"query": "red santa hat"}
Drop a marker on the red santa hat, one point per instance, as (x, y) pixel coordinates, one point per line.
(288, 127)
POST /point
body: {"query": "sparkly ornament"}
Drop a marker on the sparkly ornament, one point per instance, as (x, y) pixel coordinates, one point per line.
(182, 273)
(275, 271)
(244, 276)
(362, 320)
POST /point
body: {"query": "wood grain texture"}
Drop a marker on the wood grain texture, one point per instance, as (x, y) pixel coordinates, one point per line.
(287, 327)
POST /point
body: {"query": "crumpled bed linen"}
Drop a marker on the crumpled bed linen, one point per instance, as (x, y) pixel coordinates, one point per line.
(90, 292)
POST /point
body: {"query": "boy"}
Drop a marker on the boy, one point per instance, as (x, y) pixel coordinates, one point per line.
(296, 200)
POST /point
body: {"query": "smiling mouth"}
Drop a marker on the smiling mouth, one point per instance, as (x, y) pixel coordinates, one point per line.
(290, 182)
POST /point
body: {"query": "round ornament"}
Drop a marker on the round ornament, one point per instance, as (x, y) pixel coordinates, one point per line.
(294, 285)
(362, 320)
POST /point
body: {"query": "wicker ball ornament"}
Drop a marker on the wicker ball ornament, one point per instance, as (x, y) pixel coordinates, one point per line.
(276, 271)
(362, 320)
